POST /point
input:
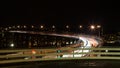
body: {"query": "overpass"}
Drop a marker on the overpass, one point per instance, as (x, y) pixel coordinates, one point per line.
(89, 50)
(88, 41)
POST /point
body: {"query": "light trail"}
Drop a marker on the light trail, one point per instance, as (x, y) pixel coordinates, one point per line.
(89, 41)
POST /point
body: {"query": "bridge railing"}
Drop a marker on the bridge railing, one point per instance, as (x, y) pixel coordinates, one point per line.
(26, 55)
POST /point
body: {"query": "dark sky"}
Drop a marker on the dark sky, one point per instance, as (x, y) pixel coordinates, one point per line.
(73, 13)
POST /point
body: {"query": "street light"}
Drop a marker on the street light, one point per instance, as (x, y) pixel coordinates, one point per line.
(80, 26)
(53, 26)
(24, 26)
(11, 45)
(92, 27)
(6, 28)
(67, 26)
(18, 26)
(32, 26)
(98, 26)
(9, 27)
(41, 26)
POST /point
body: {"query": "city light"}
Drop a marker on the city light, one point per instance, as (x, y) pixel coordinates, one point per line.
(67, 26)
(67, 42)
(71, 42)
(9, 27)
(53, 26)
(80, 26)
(41, 26)
(106, 50)
(98, 26)
(18, 26)
(24, 26)
(92, 27)
(12, 45)
(32, 26)
(6, 28)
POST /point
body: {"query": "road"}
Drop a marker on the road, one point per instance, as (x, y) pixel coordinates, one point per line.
(88, 41)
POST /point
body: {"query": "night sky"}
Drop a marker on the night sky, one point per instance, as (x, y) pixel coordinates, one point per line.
(61, 13)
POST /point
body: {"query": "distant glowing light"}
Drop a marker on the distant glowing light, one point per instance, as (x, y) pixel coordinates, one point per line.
(6, 28)
(54, 43)
(74, 41)
(12, 45)
(9, 27)
(18, 26)
(98, 26)
(106, 50)
(24, 26)
(67, 42)
(41, 26)
(67, 26)
(92, 27)
(80, 26)
(71, 42)
(53, 26)
(32, 26)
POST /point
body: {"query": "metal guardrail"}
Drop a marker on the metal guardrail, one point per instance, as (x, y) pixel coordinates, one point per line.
(26, 55)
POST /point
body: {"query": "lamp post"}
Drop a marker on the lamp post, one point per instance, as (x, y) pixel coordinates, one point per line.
(67, 28)
(41, 26)
(53, 28)
(98, 27)
(80, 26)
(93, 27)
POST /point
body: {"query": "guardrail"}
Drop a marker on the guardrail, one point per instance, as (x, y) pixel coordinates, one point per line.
(26, 55)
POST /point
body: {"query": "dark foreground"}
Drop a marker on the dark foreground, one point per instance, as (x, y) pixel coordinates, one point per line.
(66, 64)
